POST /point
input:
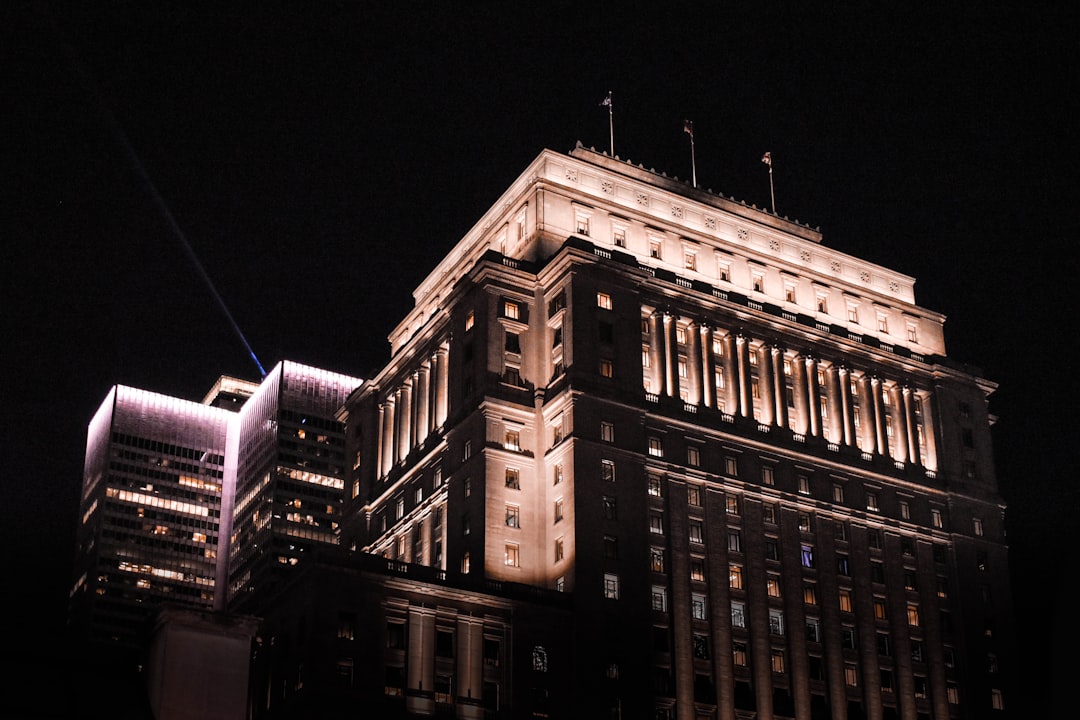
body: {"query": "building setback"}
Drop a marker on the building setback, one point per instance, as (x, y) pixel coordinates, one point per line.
(639, 451)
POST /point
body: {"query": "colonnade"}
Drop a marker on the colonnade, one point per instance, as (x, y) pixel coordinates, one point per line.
(414, 409)
(467, 686)
(714, 367)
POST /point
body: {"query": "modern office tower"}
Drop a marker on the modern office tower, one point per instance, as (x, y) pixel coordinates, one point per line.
(150, 513)
(290, 467)
(743, 454)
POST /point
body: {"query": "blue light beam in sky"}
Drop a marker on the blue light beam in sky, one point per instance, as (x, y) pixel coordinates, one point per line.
(140, 171)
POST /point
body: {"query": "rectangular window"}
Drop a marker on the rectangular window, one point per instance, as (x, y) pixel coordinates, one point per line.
(693, 456)
(557, 474)
(607, 368)
(738, 654)
(768, 513)
(558, 549)
(697, 531)
(776, 659)
(723, 270)
(843, 566)
(697, 606)
(512, 441)
(512, 342)
(690, 260)
(618, 237)
(659, 598)
(607, 470)
(558, 510)
(582, 225)
(810, 594)
(838, 493)
(879, 609)
(513, 478)
(872, 501)
(913, 615)
(847, 637)
(470, 320)
(813, 630)
(656, 448)
(603, 300)
(935, 518)
(851, 675)
(513, 516)
(611, 547)
(731, 504)
(805, 524)
(511, 555)
(656, 523)
(772, 549)
(656, 559)
(693, 495)
(735, 576)
(697, 569)
(768, 475)
(607, 431)
(656, 488)
(611, 586)
(807, 555)
(845, 600)
(977, 525)
(905, 510)
(804, 485)
(731, 466)
(511, 309)
(738, 615)
(883, 647)
(776, 622)
(758, 282)
(772, 585)
(734, 540)
(853, 314)
(789, 292)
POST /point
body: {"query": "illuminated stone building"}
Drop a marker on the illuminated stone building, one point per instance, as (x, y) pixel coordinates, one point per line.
(639, 451)
(744, 455)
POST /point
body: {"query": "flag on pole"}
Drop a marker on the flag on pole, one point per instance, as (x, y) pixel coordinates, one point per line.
(767, 159)
(688, 128)
(606, 102)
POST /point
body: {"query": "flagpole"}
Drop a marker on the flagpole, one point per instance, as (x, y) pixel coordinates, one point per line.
(611, 121)
(688, 127)
(767, 159)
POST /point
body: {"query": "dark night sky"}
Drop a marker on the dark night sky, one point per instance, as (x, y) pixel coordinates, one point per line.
(320, 161)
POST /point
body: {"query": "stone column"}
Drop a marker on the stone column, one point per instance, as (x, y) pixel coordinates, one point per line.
(656, 353)
(901, 446)
(779, 384)
(404, 419)
(442, 385)
(470, 668)
(708, 366)
(880, 436)
(389, 430)
(695, 392)
(420, 685)
(380, 433)
(423, 404)
(671, 356)
(743, 363)
(911, 425)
